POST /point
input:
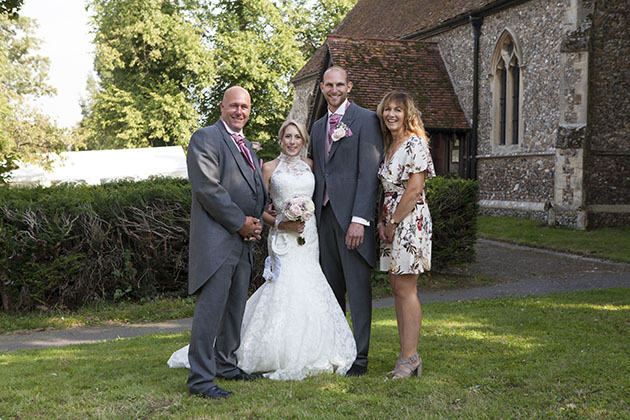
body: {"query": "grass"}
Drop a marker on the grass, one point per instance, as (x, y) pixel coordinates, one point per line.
(125, 312)
(608, 243)
(558, 356)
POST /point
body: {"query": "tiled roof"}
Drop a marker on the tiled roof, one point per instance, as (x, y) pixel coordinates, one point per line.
(377, 66)
(312, 66)
(397, 18)
(391, 19)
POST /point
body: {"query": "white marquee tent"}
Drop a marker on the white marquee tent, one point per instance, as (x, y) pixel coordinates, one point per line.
(98, 166)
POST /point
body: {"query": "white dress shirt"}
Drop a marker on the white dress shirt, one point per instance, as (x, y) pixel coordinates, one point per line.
(230, 132)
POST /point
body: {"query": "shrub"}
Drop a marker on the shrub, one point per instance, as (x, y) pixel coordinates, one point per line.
(68, 245)
(453, 206)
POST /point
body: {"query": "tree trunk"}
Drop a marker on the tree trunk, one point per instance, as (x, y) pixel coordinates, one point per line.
(3, 292)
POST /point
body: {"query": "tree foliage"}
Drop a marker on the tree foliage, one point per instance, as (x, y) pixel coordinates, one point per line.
(314, 20)
(25, 133)
(163, 65)
(255, 47)
(10, 7)
(152, 68)
(260, 45)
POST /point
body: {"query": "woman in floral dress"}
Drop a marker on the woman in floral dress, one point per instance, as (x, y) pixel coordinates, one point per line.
(404, 222)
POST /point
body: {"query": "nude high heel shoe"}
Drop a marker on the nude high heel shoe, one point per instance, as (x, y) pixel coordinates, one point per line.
(405, 368)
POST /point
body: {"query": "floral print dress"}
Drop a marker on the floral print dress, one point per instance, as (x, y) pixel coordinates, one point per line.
(410, 252)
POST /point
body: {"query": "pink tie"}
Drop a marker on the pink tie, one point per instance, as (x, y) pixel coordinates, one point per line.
(333, 121)
(240, 142)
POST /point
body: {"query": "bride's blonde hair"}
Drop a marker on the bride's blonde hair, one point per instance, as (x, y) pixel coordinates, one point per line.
(301, 129)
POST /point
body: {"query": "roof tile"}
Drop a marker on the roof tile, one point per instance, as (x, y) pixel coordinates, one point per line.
(391, 20)
(397, 18)
(376, 66)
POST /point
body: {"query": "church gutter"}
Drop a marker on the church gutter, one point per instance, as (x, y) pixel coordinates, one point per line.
(476, 22)
(449, 24)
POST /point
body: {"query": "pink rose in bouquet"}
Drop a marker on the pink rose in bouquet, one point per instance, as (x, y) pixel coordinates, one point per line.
(301, 209)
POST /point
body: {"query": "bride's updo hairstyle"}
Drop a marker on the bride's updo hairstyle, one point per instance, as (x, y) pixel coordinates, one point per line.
(413, 122)
(301, 130)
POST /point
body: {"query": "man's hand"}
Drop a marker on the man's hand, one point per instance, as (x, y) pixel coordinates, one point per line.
(251, 230)
(354, 237)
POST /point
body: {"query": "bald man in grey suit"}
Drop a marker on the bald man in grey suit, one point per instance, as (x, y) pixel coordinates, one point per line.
(228, 198)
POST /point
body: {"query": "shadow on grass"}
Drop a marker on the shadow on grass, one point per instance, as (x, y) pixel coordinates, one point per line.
(552, 356)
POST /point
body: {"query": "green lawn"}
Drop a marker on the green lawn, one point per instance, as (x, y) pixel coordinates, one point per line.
(125, 312)
(608, 243)
(558, 356)
(98, 314)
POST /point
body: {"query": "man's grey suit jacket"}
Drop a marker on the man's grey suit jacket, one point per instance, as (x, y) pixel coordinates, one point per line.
(225, 190)
(350, 171)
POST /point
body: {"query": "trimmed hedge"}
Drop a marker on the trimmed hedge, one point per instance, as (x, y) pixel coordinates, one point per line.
(67, 245)
(453, 206)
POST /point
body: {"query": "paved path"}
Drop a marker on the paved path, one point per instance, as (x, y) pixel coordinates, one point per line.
(524, 271)
(529, 271)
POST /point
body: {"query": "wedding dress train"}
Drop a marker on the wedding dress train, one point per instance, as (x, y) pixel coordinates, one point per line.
(293, 326)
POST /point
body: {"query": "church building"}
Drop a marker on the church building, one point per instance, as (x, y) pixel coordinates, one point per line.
(529, 97)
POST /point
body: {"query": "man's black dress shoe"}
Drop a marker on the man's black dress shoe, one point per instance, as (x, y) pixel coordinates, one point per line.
(356, 370)
(244, 376)
(215, 393)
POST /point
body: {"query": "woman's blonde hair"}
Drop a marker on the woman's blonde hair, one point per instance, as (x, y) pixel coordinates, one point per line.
(413, 122)
(301, 129)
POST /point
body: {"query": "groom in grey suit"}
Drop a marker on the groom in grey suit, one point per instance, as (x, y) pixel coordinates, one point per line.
(347, 147)
(228, 198)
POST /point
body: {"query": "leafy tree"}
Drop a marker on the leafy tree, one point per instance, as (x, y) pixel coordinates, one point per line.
(163, 65)
(25, 133)
(314, 20)
(152, 68)
(10, 7)
(255, 47)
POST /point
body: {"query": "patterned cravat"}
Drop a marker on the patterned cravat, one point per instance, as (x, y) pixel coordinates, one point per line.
(333, 121)
(240, 142)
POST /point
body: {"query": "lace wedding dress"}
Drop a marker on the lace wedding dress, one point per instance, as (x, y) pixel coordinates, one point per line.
(293, 326)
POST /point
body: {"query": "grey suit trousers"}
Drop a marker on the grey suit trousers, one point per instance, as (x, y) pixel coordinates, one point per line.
(347, 270)
(218, 313)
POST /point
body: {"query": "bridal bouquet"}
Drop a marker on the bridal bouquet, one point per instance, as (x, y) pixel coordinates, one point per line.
(300, 209)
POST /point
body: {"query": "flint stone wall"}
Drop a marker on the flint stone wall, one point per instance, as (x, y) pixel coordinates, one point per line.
(302, 96)
(574, 61)
(528, 175)
(607, 169)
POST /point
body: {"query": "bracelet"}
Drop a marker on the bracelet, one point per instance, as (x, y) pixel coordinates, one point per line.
(276, 223)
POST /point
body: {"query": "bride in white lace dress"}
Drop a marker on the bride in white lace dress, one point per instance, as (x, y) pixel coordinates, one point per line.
(293, 326)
